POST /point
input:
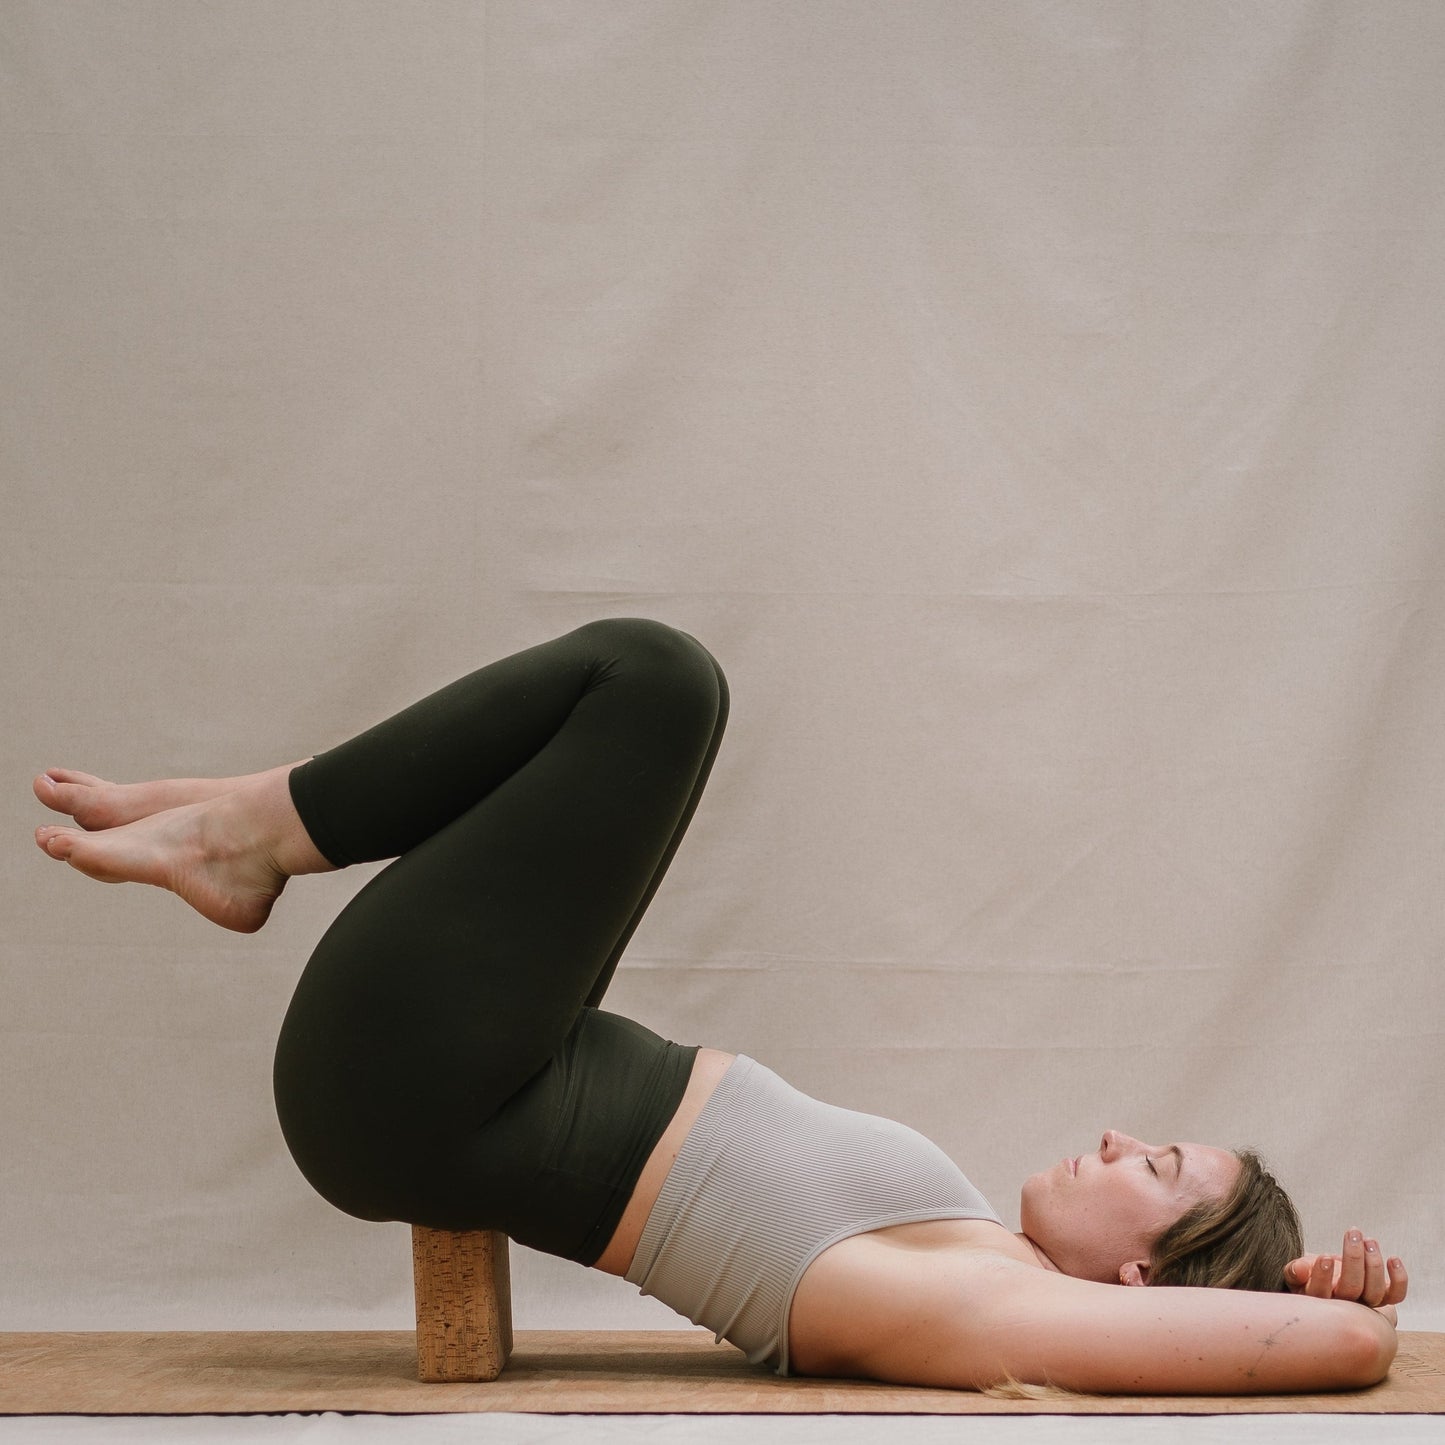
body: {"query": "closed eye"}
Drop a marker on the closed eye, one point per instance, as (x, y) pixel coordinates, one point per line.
(1150, 1163)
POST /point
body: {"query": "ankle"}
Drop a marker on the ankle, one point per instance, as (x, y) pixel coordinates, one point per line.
(264, 817)
(292, 847)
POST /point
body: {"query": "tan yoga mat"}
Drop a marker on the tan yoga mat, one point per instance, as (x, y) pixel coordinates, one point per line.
(555, 1371)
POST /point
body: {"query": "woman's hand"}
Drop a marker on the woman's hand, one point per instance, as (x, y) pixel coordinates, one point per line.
(1358, 1272)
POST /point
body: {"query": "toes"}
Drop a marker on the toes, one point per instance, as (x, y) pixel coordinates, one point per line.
(58, 788)
(57, 842)
(47, 789)
(75, 794)
(69, 775)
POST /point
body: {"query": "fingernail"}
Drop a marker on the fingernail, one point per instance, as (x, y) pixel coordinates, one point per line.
(1354, 1236)
(1372, 1248)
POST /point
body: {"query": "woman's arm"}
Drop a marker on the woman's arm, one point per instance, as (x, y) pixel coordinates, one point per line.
(973, 1318)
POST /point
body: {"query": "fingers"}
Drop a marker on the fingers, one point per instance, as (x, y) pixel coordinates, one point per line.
(1359, 1272)
(1321, 1282)
(1399, 1281)
(1377, 1285)
(1297, 1272)
(1376, 1281)
(1352, 1272)
(1364, 1275)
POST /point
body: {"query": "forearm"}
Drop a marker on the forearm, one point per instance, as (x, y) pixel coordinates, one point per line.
(1234, 1342)
(1042, 1327)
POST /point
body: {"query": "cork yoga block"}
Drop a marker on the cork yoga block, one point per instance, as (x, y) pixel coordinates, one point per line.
(463, 1304)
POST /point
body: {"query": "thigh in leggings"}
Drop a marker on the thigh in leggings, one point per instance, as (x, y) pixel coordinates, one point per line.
(444, 1060)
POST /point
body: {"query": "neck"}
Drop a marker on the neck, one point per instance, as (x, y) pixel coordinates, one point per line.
(1044, 1261)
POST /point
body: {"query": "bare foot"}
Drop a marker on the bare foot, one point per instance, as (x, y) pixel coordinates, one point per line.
(209, 853)
(95, 803)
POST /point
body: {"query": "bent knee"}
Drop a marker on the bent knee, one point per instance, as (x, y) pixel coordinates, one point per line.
(641, 647)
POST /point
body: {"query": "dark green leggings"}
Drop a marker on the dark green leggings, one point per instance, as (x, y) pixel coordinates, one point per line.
(443, 1061)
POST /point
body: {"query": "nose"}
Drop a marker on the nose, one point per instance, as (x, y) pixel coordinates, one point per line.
(1116, 1144)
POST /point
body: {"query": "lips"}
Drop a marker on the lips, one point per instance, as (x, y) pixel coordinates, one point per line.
(1073, 1166)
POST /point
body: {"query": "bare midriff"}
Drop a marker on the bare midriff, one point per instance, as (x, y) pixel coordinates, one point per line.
(708, 1069)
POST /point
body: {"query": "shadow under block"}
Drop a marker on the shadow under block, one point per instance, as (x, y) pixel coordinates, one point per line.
(463, 1304)
(557, 1371)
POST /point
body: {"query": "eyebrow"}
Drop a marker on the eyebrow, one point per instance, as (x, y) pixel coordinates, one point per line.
(1178, 1154)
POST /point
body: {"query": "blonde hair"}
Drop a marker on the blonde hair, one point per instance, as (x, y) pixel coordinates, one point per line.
(1242, 1241)
(1011, 1388)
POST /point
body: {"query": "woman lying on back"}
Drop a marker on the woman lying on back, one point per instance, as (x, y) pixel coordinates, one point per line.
(444, 1062)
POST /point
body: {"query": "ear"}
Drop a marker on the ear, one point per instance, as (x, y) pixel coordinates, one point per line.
(1135, 1272)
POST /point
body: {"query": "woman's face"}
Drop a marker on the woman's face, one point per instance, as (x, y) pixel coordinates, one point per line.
(1098, 1216)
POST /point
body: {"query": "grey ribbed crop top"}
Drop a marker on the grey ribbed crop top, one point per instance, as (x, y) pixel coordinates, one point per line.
(766, 1180)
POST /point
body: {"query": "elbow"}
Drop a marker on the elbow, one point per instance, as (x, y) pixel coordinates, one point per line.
(1371, 1351)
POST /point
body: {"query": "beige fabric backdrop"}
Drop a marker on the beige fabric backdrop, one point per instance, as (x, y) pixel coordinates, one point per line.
(1035, 406)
